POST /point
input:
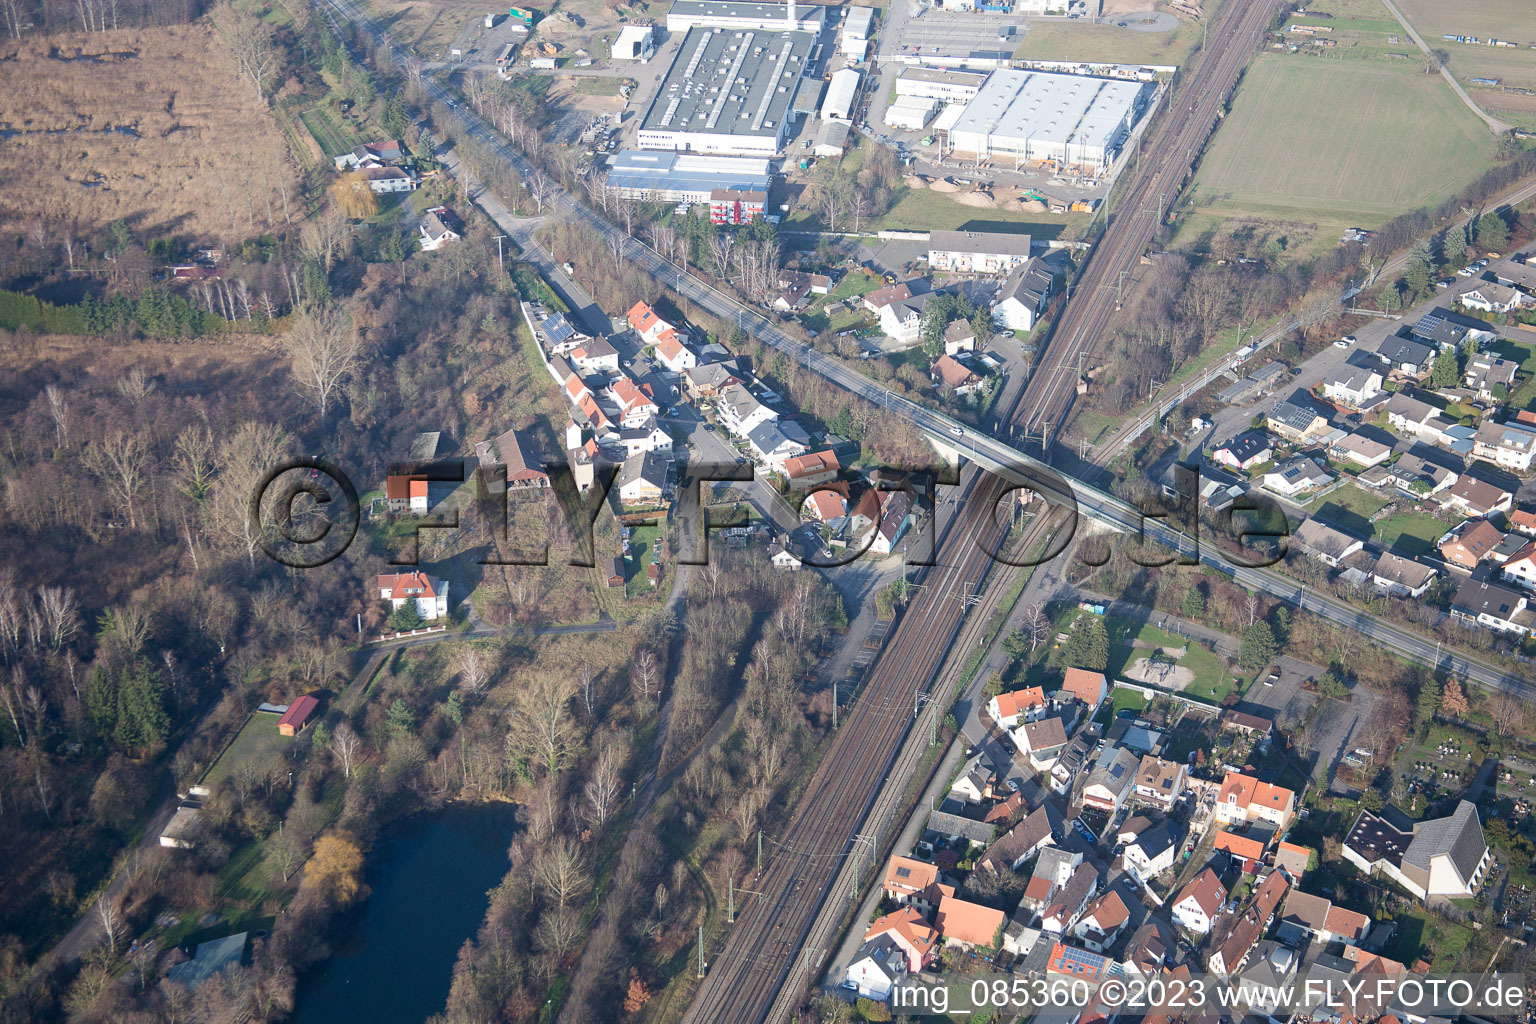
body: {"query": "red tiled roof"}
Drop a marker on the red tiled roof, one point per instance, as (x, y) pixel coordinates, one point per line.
(399, 487)
(1207, 890)
(810, 464)
(968, 922)
(918, 875)
(390, 583)
(299, 711)
(1086, 686)
(1010, 704)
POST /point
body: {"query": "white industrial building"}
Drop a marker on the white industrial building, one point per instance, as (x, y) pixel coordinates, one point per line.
(940, 84)
(635, 42)
(858, 23)
(683, 177)
(728, 91)
(838, 105)
(977, 252)
(1073, 121)
(911, 113)
(690, 14)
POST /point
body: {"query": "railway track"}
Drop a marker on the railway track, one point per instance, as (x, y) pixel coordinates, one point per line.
(1163, 166)
(766, 946)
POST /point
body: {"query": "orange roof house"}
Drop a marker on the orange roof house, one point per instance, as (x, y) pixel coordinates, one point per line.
(297, 716)
(1244, 798)
(811, 468)
(969, 924)
(1088, 687)
(905, 876)
(1243, 848)
(908, 929)
(1011, 705)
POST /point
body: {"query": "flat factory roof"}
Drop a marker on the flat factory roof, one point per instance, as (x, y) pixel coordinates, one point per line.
(730, 82)
(1049, 107)
(662, 170)
(743, 9)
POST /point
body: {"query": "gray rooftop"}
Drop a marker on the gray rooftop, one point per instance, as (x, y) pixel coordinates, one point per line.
(731, 82)
(1459, 836)
(1000, 243)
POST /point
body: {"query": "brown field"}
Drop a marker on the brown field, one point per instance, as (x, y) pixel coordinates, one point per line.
(1514, 67)
(150, 125)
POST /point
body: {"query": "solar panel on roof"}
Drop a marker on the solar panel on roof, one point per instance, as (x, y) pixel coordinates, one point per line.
(557, 328)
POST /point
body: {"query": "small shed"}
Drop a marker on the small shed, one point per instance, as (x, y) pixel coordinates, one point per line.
(297, 716)
(616, 572)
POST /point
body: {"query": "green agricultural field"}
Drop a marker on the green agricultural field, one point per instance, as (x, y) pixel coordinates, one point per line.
(1513, 67)
(1290, 150)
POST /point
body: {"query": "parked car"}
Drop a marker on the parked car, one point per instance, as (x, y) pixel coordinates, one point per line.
(958, 432)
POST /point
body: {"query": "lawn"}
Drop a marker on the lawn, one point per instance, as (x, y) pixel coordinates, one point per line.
(1290, 150)
(1121, 699)
(926, 210)
(1421, 934)
(1084, 40)
(1212, 681)
(642, 542)
(1349, 508)
(257, 741)
(333, 136)
(1524, 354)
(1410, 533)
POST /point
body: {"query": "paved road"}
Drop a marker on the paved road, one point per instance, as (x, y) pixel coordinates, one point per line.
(1496, 126)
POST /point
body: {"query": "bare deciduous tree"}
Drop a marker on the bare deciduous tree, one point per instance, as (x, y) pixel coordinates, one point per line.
(244, 461)
(135, 385)
(58, 408)
(644, 674)
(561, 873)
(346, 748)
(606, 782)
(121, 461)
(60, 615)
(111, 916)
(325, 348)
(194, 460)
(252, 44)
(474, 670)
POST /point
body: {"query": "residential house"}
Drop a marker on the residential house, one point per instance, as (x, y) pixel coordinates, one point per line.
(1101, 923)
(1111, 780)
(674, 355)
(439, 227)
(1418, 474)
(1406, 357)
(1053, 869)
(1360, 450)
(1445, 330)
(735, 205)
(1023, 841)
(406, 493)
(1326, 544)
(615, 577)
(950, 373)
(1401, 577)
(1072, 962)
(1489, 605)
(1041, 741)
(1146, 954)
(1151, 852)
(1520, 569)
(1243, 798)
(428, 592)
(371, 154)
(1440, 857)
(796, 289)
(386, 180)
(519, 453)
(1471, 542)
(741, 412)
(635, 401)
(824, 505)
(1246, 450)
(1306, 918)
(877, 965)
(895, 516)
(909, 881)
(649, 325)
(1490, 297)
(649, 436)
(1490, 376)
(780, 555)
(214, 957)
(1088, 687)
(1023, 295)
(1252, 726)
(955, 827)
(1247, 851)
(959, 337)
(595, 355)
(709, 379)
(969, 925)
(1007, 708)
(902, 319)
(811, 470)
(1160, 782)
(1507, 445)
(977, 252)
(1292, 859)
(1068, 902)
(1233, 951)
(771, 444)
(917, 939)
(1408, 415)
(643, 480)
(1296, 419)
(1523, 521)
(1352, 386)
(1474, 496)
(880, 297)
(975, 782)
(1295, 476)
(1197, 904)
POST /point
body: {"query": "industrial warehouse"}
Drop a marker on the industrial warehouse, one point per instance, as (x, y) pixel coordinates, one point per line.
(731, 91)
(1073, 122)
(683, 177)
